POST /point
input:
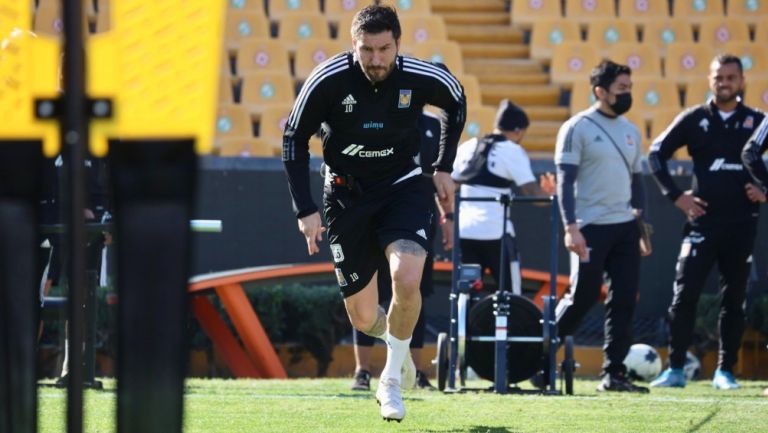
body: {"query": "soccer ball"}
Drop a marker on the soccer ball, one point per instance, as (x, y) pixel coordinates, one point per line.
(642, 362)
(692, 366)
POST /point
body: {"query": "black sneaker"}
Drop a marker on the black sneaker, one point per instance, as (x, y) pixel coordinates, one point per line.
(619, 383)
(422, 382)
(362, 381)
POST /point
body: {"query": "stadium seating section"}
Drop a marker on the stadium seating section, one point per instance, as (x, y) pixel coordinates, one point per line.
(537, 53)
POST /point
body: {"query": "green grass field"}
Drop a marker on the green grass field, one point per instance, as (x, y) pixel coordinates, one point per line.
(327, 405)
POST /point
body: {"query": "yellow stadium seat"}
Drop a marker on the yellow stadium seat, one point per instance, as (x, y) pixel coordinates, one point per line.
(649, 96)
(643, 11)
(410, 7)
(256, 54)
(261, 89)
(581, 96)
(547, 34)
(751, 11)
(660, 34)
(245, 147)
(312, 52)
(605, 34)
(278, 9)
(756, 94)
(479, 122)
(298, 27)
(685, 62)
(527, 12)
(335, 10)
(643, 59)
(244, 25)
(660, 122)
(272, 124)
(585, 11)
(247, 5)
(226, 93)
(343, 26)
(233, 121)
(471, 86)
(47, 19)
(761, 34)
(420, 29)
(446, 52)
(697, 92)
(720, 31)
(754, 58)
(573, 62)
(103, 17)
(641, 123)
(695, 11)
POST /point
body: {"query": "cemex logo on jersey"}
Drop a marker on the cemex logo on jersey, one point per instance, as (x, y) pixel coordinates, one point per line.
(357, 150)
(720, 164)
(704, 124)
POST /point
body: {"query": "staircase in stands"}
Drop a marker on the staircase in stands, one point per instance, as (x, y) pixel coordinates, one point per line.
(496, 53)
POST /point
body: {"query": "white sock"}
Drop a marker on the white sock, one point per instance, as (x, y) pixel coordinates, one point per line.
(396, 352)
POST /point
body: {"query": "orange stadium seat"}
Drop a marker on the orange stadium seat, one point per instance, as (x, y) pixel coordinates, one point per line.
(685, 62)
(243, 25)
(695, 11)
(472, 92)
(446, 52)
(272, 124)
(247, 5)
(480, 122)
(585, 11)
(547, 34)
(751, 11)
(660, 34)
(226, 92)
(250, 146)
(261, 89)
(756, 94)
(299, 27)
(233, 121)
(47, 18)
(605, 34)
(643, 11)
(761, 34)
(410, 7)
(754, 58)
(581, 96)
(572, 62)
(420, 29)
(256, 54)
(278, 9)
(651, 95)
(641, 58)
(527, 12)
(720, 31)
(312, 52)
(697, 92)
(103, 16)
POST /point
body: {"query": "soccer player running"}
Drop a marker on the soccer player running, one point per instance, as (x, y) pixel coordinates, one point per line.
(722, 211)
(599, 181)
(367, 103)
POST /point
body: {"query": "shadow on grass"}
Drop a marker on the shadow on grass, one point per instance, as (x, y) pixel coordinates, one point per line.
(703, 422)
(473, 429)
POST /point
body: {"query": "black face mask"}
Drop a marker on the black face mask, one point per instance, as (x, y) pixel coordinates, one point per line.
(623, 103)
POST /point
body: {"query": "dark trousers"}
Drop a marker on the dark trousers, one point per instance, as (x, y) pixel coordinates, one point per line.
(614, 249)
(731, 248)
(487, 253)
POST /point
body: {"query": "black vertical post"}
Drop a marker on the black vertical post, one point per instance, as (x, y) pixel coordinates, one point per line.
(453, 332)
(550, 319)
(154, 186)
(73, 134)
(20, 165)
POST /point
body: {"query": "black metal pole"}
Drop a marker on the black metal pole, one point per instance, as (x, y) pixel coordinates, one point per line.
(453, 334)
(550, 321)
(73, 142)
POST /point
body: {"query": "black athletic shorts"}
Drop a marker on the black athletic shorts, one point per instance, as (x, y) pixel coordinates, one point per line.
(361, 225)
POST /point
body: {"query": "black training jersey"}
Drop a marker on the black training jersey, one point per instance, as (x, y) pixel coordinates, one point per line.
(370, 130)
(752, 154)
(715, 145)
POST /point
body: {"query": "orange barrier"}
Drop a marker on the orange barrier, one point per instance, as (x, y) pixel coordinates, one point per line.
(259, 358)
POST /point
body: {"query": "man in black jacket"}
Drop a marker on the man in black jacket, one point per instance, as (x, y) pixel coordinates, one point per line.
(722, 210)
(367, 103)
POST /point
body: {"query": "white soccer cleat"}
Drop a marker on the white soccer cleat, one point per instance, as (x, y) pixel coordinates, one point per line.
(408, 373)
(388, 397)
